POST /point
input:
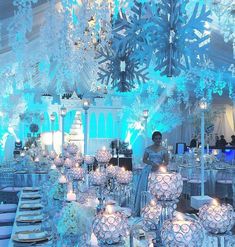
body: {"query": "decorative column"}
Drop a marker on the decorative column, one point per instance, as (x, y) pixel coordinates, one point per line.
(85, 106)
(63, 112)
(52, 118)
(145, 116)
(203, 107)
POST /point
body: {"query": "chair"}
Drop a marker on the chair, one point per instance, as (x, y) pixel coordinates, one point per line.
(195, 181)
(224, 181)
(5, 232)
(8, 208)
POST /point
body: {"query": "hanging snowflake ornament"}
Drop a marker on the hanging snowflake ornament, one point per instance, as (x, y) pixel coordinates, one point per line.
(131, 30)
(179, 40)
(121, 70)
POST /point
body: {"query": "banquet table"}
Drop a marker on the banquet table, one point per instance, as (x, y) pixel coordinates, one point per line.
(30, 179)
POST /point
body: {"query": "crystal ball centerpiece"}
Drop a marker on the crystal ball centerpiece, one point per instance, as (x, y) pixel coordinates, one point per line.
(123, 176)
(110, 226)
(164, 185)
(103, 156)
(217, 218)
(181, 231)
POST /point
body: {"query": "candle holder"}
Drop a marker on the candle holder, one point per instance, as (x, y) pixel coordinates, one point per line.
(89, 161)
(79, 158)
(182, 232)
(68, 163)
(123, 176)
(98, 179)
(110, 227)
(167, 188)
(111, 172)
(52, 155)
(58, 162)
(103, 157)
(151, 214)
(217, 218)
(72, 149)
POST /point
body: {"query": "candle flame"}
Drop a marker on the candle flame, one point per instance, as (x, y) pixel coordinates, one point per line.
(179, 216)
(162, 169)
(109, 209)
(123, 169)
(152, 203)
(103, 148)
(215, 202)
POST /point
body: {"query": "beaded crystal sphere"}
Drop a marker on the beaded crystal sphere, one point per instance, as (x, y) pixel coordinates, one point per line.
(77, 173)
(98, 178)
(78, 158)
(112, 171)
(151, 214)
(68, 163)
(52, 155)
(89, 160)
(109, 226)
(217, 218)
(123, 176)
(58, 162)
(103, 156)
(182, 232)
(165, 185)
(72, 149)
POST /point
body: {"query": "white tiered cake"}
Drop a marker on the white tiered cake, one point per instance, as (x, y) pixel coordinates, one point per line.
(76, 132)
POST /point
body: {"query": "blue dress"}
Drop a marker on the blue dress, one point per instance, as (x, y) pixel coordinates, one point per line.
(142, 185)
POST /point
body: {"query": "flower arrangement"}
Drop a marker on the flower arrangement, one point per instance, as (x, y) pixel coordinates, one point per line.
(75, 219)
(57, 191)
(53, 176)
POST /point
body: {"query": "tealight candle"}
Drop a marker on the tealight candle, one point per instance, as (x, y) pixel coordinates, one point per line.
(36, 160)
(217, 218)
(71, 196)
(22, 154)
(180, 232)
(53, 167)
(62, 179)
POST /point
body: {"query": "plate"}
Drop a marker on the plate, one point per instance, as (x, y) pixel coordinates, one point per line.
(31, 196)
(27, 218)
(30, 236)
(41, 172)
(32, 206)
(31, 189)
(20, 172)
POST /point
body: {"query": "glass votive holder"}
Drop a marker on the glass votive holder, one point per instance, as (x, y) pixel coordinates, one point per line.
(165, 185)
(111, 171)
(103, 156)
(68, 163)
(217, 218)
(151, 214)
(110, 227)
(98, 178)
(123, 176)
(181, 231)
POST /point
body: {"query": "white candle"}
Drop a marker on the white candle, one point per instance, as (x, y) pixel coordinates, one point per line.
(71, 196)
(62, 179)
(117, 143)
(207, 148)
(53, 167)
